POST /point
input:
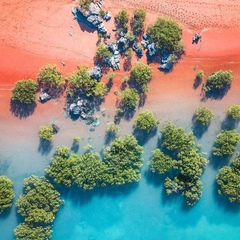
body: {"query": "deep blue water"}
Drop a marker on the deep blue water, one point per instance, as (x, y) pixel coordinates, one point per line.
(136, 211)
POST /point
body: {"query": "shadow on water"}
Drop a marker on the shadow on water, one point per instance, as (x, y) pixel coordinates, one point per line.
(80, 197)
(223, 201)
(229, 123)
(217, 162)
(154, 179)
(5, 214)
(198, 128)
(75, 147)
(45, 146)
(22, 110)
(142, 136)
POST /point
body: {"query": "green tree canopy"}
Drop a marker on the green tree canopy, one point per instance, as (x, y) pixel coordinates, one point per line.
(6, 193)
(141, 73)
(234, 111)
(112, 127)
(188, 165)
(138, 20)
(121, 19)
(46, 133)
(130, 98)
(85, 3)
(228, 179)
(225, 143)
(102, 52)
(120, 164)
(26, 231)
(218, 80)
(200, 75)
(50, 76)
(161, 162)
(25, 91)
(166, 33)
(146, 121)
(40, 202)
(204, 115)
(80, 78)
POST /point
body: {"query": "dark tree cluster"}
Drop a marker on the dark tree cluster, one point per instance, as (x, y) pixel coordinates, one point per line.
(39, 206)
(225, 143)
(138, 20)
(6, 193)
(166, 33)
(228, 180)
(187, 166)
(121, 164)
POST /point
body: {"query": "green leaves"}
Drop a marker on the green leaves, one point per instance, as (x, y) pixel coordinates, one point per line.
(25, 91)
(138, 20)
(166, 33)
(38, 205)
(225, 143)
(188, 165)
(228, 180)
(204, 115)
(6, 193)
(146, 121)
(120, 164)
(234, 112)
(141, 73)
(50, 76)
(46, 133)
(102, 52)
(130, 98)
(218, 80)
(121, 19)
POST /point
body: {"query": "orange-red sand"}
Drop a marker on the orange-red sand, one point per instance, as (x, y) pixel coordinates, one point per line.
(36, 32)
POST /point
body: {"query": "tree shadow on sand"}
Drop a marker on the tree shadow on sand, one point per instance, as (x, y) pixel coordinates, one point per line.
(81, 197)
(229, 123)
(22, 110)
(198, 128)
(45, 146)
(142, 136)
(197, 82)
(215, 94)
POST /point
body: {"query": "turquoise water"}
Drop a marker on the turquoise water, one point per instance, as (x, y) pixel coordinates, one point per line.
(136, 211)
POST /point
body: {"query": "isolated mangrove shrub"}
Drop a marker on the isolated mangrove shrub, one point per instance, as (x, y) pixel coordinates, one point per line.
(121, 19)
(166, 33)
(204, 115)
(46, 133)
(234, 112)
(102, 52)
(188, 164)
(50, 76)
(146, 121)
(113, 128)
(76, 139)
(130, 98)
(6, 193)
(228, 179)
(137, 23)
(142, 73)
(225, 143)
(200, 75)
(25, 91)
(218, 80)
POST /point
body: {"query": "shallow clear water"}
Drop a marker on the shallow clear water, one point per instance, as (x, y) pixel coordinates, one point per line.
(136, 211)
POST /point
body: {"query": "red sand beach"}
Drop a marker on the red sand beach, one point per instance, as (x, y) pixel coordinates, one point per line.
(37, 32)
